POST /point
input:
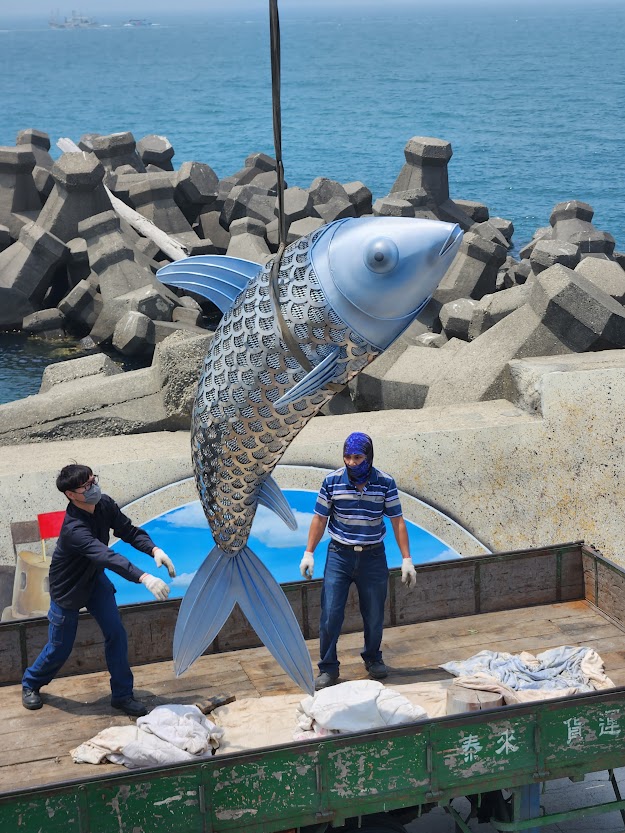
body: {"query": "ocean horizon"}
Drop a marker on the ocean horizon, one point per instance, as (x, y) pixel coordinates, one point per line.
(529, 95)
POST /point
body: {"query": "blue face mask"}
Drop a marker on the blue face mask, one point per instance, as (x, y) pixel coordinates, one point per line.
(358, 443)
(359, 473)
(93, 494)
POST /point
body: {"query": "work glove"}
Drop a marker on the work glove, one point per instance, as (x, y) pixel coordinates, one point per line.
(408, 572)
(307, 565)
(156, 586)
(163, 560)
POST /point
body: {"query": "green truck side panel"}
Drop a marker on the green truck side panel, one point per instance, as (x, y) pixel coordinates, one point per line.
(248, 793)
(276, 789)
(481, 752)
(339, 777)
(170, 803)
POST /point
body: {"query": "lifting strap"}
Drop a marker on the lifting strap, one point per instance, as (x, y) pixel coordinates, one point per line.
(274, 288)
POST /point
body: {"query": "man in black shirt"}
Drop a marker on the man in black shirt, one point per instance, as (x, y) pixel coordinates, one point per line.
(77, 580)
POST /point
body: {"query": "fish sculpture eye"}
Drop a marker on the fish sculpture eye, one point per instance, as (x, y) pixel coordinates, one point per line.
(381, 256)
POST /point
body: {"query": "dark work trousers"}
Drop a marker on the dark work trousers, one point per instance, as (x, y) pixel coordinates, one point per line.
(62, 633)
(369, 572)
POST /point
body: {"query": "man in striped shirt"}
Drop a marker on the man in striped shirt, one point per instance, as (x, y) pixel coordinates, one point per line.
(355, 499)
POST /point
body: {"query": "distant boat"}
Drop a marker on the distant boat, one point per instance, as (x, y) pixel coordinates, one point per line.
(75, 21)
(135, 22)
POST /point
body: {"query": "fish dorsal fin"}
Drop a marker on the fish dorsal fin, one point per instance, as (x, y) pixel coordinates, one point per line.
(318, 378)
(218, 278)
(271, 496)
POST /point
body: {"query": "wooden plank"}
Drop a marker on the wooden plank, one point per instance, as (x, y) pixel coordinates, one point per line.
(36, 744)
(520, 583)
(610, 591)
(444, 590)
(589, 567)
(11, 655)
(572, 576)
(438, 594)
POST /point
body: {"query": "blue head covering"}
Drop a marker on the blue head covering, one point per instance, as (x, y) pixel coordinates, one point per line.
(359, 443)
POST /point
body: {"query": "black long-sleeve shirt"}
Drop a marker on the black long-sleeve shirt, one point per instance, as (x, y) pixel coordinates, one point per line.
(82, 552)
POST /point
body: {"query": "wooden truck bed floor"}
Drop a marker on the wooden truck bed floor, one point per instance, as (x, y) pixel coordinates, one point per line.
(34, 746)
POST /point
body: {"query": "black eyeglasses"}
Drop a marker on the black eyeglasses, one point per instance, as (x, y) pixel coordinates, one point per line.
(94, 479)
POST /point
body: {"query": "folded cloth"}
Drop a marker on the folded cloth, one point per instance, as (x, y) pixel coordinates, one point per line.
(174, 733)
(557, 672)
(356, 706)
(183, 726)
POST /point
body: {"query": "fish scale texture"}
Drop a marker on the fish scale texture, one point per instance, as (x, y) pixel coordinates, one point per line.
(238, 436)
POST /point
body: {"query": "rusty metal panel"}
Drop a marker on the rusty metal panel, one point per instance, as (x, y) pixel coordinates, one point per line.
(495, 748)
(250, 794)
(378, 769)
(54, 814)
(583, 735)
(167, 803)
(59, 813)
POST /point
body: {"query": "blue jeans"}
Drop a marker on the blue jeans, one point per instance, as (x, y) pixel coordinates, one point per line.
(62, 633)
(369, 572)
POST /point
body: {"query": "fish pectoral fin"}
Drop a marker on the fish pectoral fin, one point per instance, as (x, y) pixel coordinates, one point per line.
(268, 611)
(219, 278)
(271, 496)
(319, 377)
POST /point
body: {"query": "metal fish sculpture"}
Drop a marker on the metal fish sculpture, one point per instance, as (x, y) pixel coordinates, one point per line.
(287, 342)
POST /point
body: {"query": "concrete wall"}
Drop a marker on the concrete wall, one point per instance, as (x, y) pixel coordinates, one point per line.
(544, 468)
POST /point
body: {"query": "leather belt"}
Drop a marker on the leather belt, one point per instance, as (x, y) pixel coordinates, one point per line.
(357, 547)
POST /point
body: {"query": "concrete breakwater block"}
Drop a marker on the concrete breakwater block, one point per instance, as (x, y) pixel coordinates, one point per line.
(94, 262)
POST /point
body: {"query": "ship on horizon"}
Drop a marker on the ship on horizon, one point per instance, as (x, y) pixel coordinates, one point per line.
(136, 22)
(75, 21)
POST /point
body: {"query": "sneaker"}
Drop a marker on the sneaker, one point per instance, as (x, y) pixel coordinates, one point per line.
(324, 680)
(130, 706)
(31, 699)
(377, 670)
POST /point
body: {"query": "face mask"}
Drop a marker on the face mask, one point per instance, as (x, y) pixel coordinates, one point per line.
(359, 473)
(93, 494)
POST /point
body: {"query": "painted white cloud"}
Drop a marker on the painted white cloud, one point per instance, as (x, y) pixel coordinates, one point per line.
(267, 528)
(272, 532)
(183, 580)
(190, 515)
(445, 555)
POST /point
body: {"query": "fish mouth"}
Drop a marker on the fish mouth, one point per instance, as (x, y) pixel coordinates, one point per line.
(455, 235)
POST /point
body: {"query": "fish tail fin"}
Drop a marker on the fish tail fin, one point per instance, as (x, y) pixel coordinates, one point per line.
(224, 580)
(204, 609)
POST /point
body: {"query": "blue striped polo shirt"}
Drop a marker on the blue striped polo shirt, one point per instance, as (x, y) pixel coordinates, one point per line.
(357, 517)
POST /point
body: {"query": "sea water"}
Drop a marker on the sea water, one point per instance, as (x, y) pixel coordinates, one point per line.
(530, 95)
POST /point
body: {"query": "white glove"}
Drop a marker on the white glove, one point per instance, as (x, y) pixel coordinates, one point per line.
(408, 572)
(163, 560)
(156, 586)
(307, 565)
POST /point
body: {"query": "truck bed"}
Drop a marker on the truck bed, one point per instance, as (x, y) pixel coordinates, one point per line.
(34, 746)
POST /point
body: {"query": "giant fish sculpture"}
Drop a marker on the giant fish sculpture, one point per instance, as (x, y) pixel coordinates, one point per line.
(288, 340)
